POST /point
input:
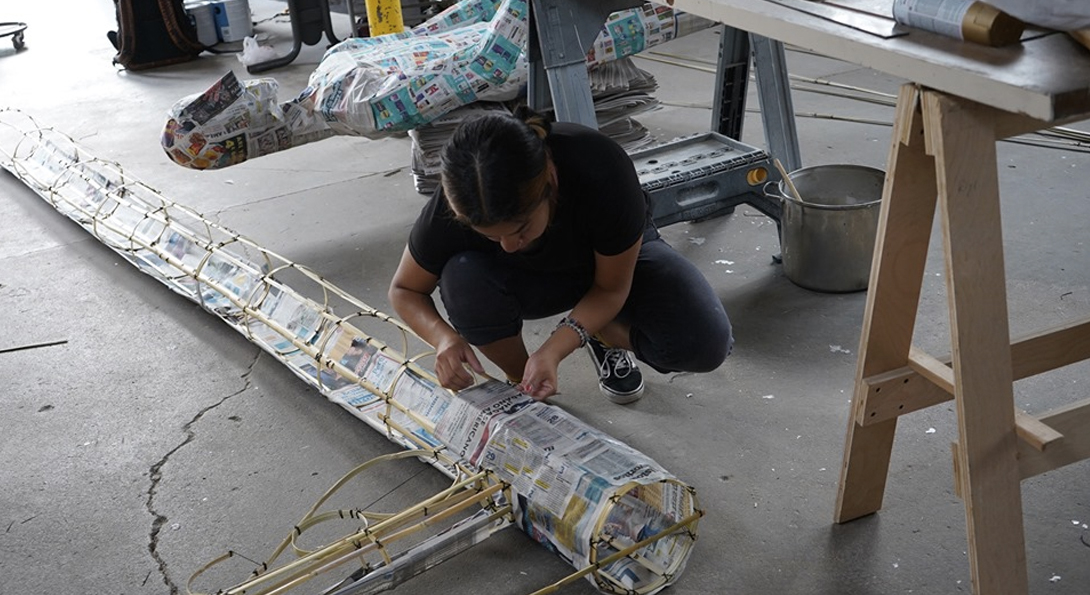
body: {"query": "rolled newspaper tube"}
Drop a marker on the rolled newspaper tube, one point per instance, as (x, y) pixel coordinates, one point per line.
(617, 516)
(969, 20)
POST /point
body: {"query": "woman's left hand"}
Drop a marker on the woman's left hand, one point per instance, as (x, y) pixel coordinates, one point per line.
(539, 376)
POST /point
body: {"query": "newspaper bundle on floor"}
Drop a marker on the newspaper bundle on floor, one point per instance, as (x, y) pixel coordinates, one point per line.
(372, 87)
(617, 516)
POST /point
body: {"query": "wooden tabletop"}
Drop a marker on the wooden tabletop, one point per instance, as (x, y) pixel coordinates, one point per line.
(1046, 76)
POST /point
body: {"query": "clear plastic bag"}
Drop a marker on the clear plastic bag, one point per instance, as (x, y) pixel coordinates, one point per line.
(253, 53)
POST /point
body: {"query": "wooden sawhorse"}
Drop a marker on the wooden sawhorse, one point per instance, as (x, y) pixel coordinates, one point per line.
(943, 159)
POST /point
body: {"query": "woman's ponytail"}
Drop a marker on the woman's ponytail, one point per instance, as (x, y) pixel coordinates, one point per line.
(537, 122)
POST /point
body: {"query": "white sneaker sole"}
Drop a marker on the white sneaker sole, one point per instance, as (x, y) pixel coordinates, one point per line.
(622, 399)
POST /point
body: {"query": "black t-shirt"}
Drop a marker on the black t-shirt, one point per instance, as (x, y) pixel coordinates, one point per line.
(600, 208)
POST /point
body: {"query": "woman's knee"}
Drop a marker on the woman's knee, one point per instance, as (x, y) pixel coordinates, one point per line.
(474, 295)
(700, 345)
(465, 271)
(712, 345)
(467, 278)
(708, 345)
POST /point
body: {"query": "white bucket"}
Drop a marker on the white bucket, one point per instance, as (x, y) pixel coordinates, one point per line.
(233, 19)
(205, 22)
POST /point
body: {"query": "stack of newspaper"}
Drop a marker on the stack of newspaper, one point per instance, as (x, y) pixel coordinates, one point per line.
(620, 90)
(428, 141)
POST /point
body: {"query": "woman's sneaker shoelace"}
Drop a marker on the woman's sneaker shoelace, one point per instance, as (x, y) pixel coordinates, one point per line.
(619, 377)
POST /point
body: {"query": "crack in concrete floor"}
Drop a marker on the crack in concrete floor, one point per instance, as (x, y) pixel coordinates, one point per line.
(156, 475)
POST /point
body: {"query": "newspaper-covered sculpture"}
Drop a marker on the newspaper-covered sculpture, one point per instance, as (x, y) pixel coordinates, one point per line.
(610, 511)
(373, 87)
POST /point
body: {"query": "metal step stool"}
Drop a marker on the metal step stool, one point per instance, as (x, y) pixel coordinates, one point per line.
(703, 176)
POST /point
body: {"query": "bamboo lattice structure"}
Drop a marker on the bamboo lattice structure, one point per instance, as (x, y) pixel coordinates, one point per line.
(619, 518)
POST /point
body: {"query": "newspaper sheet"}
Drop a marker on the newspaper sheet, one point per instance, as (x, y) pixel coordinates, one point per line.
(467, 423)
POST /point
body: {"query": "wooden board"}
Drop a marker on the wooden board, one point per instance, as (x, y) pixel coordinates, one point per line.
(1046, 78)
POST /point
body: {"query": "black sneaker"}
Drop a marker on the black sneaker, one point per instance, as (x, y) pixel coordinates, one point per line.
(618, 376)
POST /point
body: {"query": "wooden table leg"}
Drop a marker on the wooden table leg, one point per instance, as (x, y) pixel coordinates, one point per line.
(904, 230)
(962, 137)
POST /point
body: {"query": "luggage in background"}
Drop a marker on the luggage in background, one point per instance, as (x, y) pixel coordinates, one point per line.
(153, 33)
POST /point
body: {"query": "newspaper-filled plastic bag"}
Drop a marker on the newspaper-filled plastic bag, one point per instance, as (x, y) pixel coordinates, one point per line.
(232, 122)
(374, 87)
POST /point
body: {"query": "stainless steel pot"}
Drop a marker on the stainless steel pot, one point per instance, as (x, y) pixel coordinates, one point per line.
(828, 239)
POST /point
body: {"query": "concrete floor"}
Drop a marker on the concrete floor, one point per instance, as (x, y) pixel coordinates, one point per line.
(156, 438)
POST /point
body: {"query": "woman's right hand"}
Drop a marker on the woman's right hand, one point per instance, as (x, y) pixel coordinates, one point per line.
(410, 294)
(451, 357)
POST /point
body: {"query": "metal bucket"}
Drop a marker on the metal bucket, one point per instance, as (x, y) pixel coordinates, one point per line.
(828, 240)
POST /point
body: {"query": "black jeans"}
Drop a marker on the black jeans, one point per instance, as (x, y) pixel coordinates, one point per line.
(678, 323)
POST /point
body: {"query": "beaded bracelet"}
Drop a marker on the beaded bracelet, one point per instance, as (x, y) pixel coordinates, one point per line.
(574, 325)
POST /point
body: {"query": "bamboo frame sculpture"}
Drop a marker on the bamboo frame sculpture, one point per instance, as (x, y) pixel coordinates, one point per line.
(623, 521)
